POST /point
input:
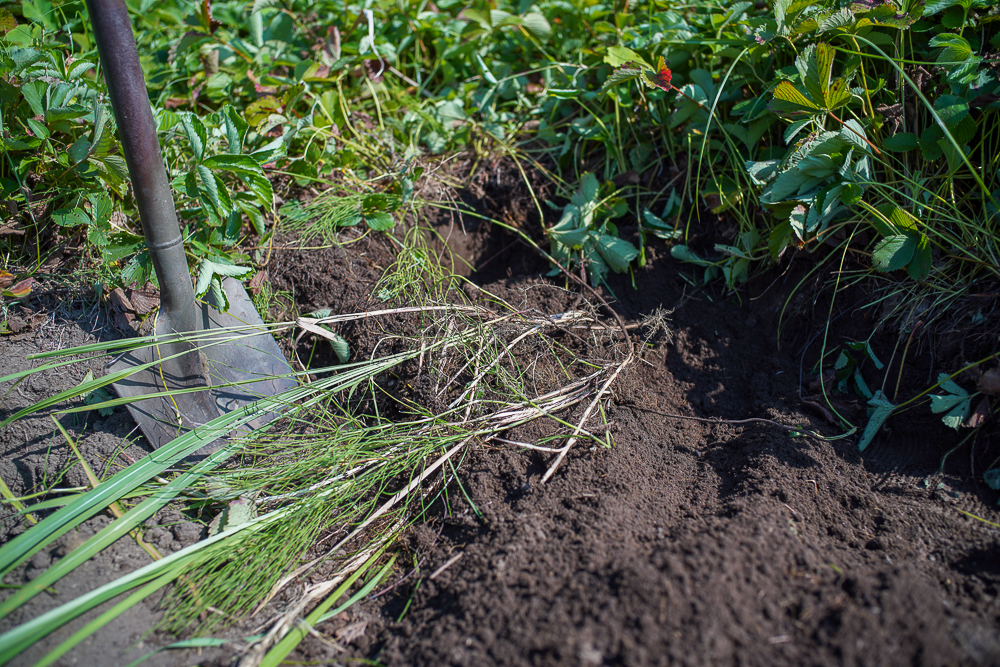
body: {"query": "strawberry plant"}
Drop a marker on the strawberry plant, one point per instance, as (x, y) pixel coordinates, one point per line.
(586, 237)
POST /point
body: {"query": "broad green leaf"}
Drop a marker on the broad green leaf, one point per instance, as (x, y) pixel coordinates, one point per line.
(789, 99)
(236, 129)
(260, 188)
(852, 194)
(920, 266)
(66, 217)
(38, 129)
(196, 133)
(762, 172)
(78, 69)
(950, 385)
(853, 133)
(685, 254)
(217, 296)
(627, 72)
(793, 129)
(240, 164)
(881, 408)
(120, 245)
(955, 50)
(957, 407)
(568, 230)
(340, 347)
(215, 190)
(380, 221)
(901, 142)
(992, 478)
(34, 95)
(619, 55)
(537, 25)
(865, 346)
(208, 269)
(617, 252)
(899, 217)
(894, 252)
(786, 184)
(839, 19)
(838, 95)
(951, 108)
(79, 151)
(778, 239)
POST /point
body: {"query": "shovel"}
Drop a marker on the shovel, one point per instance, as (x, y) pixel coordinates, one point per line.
(253, 360)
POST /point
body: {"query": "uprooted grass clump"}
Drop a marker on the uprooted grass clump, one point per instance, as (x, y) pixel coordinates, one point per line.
(341, 470)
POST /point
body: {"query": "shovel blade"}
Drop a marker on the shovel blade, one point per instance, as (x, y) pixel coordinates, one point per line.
(248, 357)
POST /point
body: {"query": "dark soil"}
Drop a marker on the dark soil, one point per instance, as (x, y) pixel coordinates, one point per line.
(686, 542)
(696, 543)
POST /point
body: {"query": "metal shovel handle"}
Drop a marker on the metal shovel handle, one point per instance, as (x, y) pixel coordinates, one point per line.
(137, 130)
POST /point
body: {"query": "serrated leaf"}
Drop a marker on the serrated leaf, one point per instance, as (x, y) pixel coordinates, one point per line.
(894, 252)
(762, 172)
(627, 72)
(208, 269)
(617, 252)
(275, 150)
(955, 50)
(619, 55)
(79, 151)
(236, 129)
(217, 296)
(380, 221)
(944, 403)
(568, 230)
(238, 512)
(950, 385)
(792, 130)
(34, 95)
(838, 95)
(881, 409)
(340, 347)
(789, 99)
(960, 407)
(78, 69)
(240, 164)
(853, 133)
(951, 108)
(787, 183)
(261, 187)
(196, 134)
(215, 191)
(839, 19)
(70, 217)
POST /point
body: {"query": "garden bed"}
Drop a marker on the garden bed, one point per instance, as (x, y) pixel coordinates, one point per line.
(688, 541)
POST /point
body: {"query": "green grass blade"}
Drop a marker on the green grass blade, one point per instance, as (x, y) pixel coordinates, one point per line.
(105, 618)
(28, 543)
(288, 643)
(115, 530)
(16, 640)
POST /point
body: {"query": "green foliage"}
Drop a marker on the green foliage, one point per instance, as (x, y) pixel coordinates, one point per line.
(956, 403)
(585, 234)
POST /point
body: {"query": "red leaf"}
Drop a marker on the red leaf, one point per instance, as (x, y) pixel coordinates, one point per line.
(661, 78)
